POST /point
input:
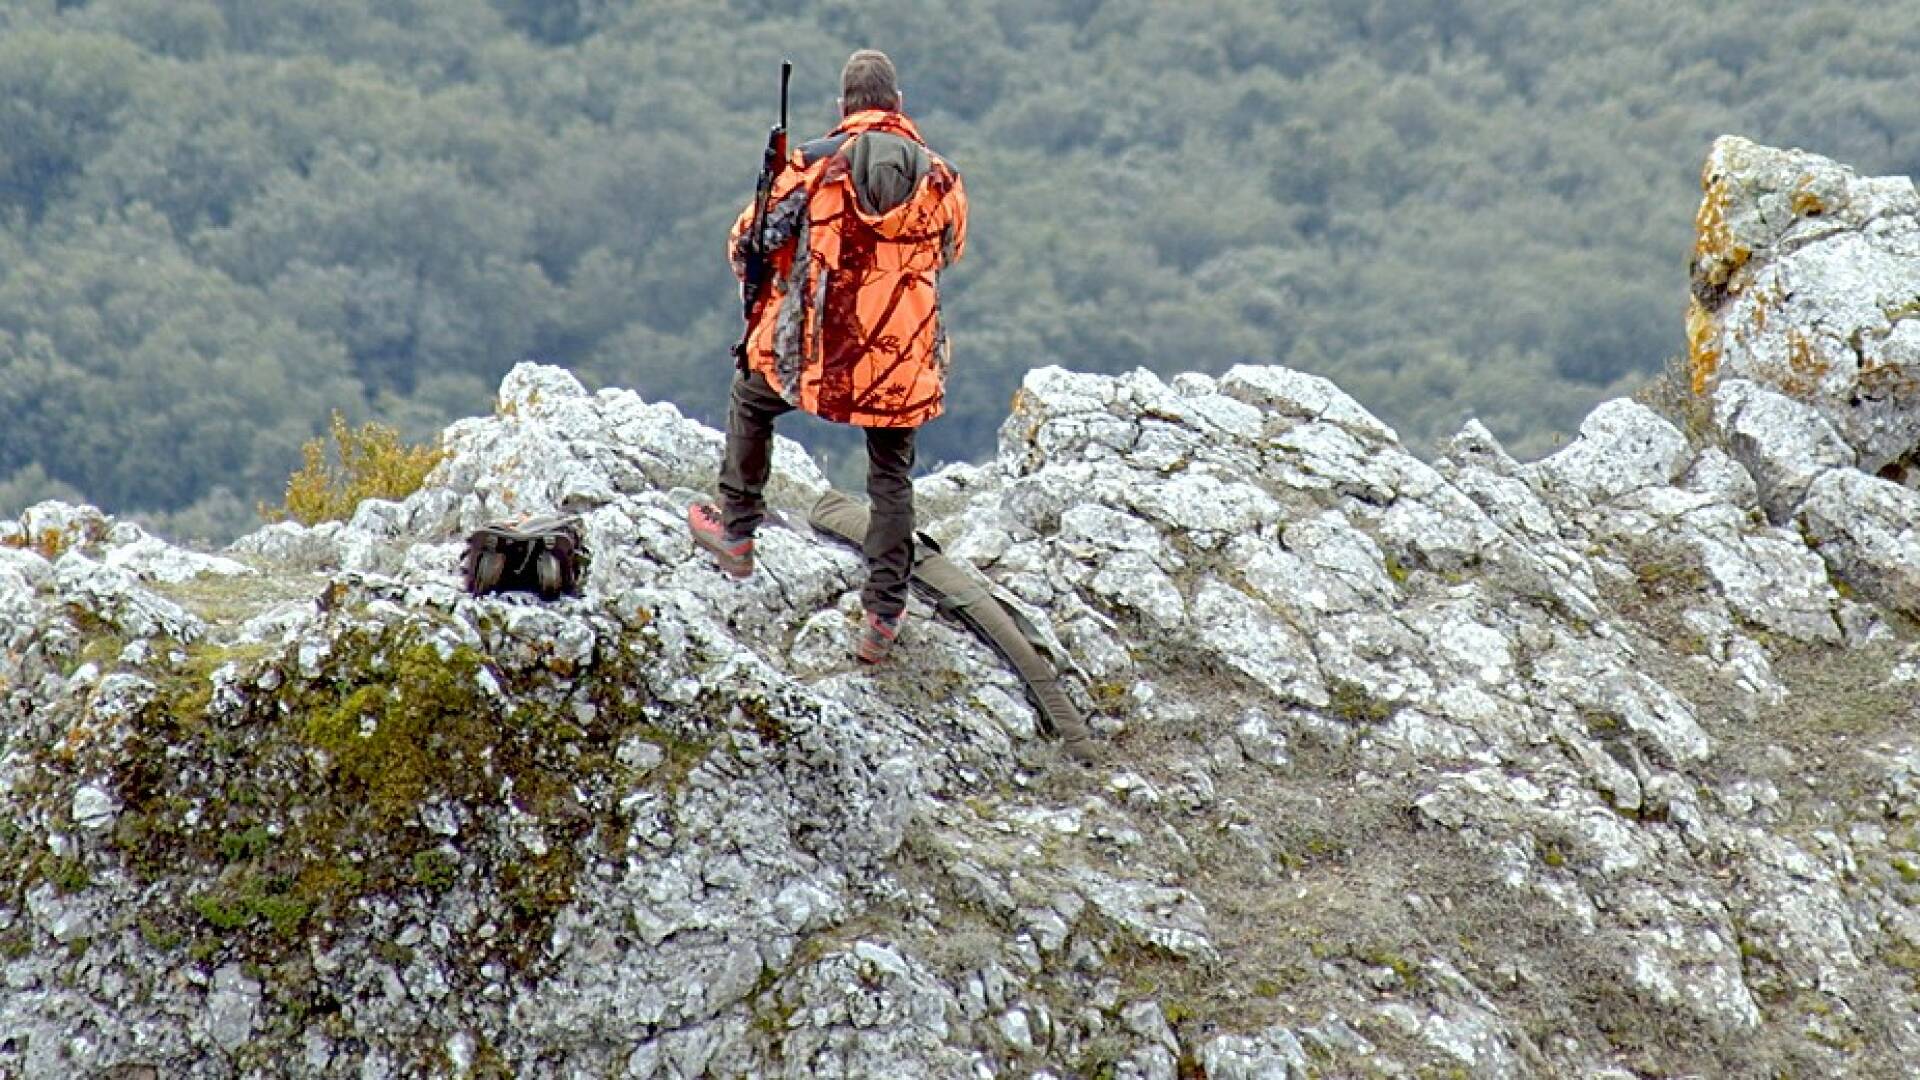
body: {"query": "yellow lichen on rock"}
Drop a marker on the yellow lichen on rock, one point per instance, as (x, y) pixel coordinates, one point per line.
(1715, 255)
(1716, 258)
(1703, 352)
(1805, 202)
(49, 543)
(1806, 368)
(1024, 402)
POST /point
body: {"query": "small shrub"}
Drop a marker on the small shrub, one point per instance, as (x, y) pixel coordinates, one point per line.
(1667, 574)
(394, 953)
(371, 463)
(1110, 696)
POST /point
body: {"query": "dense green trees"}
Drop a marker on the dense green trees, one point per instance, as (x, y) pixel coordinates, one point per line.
(220, 220)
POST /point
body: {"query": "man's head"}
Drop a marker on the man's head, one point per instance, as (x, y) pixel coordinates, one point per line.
(868, 82)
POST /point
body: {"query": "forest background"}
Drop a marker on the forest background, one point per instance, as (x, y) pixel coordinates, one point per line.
(221, 220)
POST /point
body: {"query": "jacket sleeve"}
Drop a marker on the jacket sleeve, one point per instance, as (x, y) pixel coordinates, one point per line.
(953, 239)
(736, 254)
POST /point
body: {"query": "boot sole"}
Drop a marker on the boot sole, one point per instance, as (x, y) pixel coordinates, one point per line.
(871, 649)
(733, 566)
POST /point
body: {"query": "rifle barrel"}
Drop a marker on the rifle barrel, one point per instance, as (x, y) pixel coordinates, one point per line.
(786, 74)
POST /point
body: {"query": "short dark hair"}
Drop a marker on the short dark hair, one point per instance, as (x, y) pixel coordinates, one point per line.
(868, 82)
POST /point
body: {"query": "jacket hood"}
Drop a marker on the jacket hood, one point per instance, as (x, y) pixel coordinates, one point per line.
(887, 165)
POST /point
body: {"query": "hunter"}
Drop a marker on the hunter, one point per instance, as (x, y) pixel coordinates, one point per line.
(861, 223)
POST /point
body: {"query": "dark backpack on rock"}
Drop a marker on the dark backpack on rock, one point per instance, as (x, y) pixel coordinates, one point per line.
(547, 556)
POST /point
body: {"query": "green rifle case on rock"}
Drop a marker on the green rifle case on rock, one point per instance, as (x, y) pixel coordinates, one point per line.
(955, 590)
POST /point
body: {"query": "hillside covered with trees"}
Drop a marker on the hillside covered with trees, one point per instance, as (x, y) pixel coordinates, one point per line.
(221, 220)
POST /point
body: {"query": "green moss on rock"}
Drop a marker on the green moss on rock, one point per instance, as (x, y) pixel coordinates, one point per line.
(1355, 704)
(435, 871)
(416, 728)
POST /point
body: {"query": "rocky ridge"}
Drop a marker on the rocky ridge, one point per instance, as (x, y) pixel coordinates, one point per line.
(1601, 765)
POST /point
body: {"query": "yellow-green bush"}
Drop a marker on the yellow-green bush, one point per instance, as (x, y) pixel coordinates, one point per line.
(371, 463)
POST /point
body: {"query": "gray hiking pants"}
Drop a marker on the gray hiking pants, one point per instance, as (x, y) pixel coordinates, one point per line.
(749, 460)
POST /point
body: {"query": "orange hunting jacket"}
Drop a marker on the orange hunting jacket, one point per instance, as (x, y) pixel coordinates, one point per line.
(848, 327)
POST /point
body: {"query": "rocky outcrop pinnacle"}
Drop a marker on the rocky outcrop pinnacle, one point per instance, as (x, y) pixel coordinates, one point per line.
(1601, 765)
(1804, 282)
(1806, 286)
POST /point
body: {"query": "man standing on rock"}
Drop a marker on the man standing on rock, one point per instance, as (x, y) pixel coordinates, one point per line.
(859, 224)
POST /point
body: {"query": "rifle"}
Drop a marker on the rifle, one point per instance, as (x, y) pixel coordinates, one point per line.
(758, 257)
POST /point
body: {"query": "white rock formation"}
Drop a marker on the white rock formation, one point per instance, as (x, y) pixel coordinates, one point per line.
(1803, 281)
(1599, 765)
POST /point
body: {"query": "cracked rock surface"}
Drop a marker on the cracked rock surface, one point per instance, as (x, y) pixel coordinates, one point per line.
(1601, 765)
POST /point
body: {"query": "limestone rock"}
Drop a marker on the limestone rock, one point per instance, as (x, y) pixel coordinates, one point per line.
(1868, 530)
(116, 597)
(1804, 281)
(232, 1008)
(1784, 443)
(1622, 447)
(1271, 1055)
(151, 559)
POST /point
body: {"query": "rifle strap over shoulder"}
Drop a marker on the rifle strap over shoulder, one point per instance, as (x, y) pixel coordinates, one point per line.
(824, 147)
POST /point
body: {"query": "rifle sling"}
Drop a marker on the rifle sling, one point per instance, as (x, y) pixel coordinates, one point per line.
(823, 147)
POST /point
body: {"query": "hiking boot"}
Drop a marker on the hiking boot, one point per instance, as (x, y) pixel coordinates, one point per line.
(877, 636)
(735, 556)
